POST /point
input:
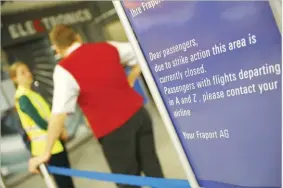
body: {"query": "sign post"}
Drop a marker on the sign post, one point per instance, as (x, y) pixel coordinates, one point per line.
(47, 178)
(2, 182)
(214, 70)
(156, 96)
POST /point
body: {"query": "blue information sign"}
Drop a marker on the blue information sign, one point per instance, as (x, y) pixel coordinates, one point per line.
(217, 66)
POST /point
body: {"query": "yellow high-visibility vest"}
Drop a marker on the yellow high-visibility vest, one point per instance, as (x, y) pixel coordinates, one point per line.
(37, 135)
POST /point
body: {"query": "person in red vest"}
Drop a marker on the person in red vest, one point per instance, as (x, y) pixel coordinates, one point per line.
(93, 76)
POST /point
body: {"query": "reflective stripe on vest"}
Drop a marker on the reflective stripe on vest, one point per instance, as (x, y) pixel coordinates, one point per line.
(37, 135)
(33, 128)
(38, 138)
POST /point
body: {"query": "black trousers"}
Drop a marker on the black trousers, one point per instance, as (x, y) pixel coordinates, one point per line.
(61, 160)
(131, 148)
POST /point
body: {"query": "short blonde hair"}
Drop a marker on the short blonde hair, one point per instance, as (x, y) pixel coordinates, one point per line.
(14, 68)
(63, 36)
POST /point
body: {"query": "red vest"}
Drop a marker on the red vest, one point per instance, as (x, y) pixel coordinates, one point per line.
(105, 96)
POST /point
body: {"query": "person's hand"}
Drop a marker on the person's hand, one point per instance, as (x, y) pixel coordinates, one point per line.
(36, 161)
(131, 82)
(64, 136)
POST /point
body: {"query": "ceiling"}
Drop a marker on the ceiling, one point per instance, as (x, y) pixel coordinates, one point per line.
(12, 7)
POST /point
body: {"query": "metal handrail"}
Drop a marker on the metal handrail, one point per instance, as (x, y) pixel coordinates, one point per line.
(46, 176)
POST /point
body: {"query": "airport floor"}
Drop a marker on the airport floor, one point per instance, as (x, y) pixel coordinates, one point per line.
(89, 156)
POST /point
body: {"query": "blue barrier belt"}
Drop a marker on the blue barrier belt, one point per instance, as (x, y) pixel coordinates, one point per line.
(121, 179)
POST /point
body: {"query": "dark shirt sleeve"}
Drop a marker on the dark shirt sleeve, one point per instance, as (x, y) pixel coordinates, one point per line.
(28, 108)
(26, 140)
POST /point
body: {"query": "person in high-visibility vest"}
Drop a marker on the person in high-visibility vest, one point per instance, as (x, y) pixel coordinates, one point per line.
(34, 113)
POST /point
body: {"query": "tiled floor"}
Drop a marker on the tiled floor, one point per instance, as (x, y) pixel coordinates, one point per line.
(89, 157)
